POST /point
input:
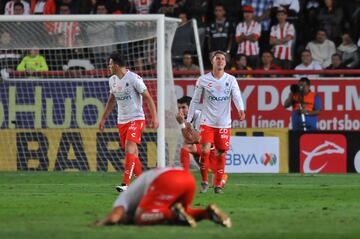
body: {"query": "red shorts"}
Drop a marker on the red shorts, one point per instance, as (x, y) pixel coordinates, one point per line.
(170, 187)
(217, 136)
(131, 131)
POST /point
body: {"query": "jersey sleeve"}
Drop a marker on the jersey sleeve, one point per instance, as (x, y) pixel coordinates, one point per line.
(236, 96)
(110, 88)
(238, 30)
(195, 100)
(291, 30)
(273, 31)
(257, 30)
(139, 84)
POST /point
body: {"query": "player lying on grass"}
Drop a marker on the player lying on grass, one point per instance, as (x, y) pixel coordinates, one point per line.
(162, 196)
(191, 139)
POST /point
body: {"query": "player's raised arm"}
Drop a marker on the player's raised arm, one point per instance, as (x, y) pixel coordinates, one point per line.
(150, 102)
(237, 99)
(111, 102)
(195, 100)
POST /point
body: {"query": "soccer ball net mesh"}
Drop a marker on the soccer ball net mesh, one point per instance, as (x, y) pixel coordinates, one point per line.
(55, 86)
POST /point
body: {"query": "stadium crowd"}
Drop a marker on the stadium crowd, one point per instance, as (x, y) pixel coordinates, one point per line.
(255, 34)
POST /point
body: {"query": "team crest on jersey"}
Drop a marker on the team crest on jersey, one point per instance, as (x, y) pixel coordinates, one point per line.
(218, 88)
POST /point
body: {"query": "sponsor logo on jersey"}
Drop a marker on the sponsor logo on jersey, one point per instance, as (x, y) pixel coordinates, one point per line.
(323, 153)
(125, 97)
(220, 98)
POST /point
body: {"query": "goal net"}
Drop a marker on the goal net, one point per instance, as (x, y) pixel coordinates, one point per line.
(55, 86)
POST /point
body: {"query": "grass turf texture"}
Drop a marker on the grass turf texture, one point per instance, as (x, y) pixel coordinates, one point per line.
(61, 205)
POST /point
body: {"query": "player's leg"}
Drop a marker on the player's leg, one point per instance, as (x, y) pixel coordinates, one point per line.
(164, 203)
(130, 137)
(185, 152)
(207, 138)
(222, 144)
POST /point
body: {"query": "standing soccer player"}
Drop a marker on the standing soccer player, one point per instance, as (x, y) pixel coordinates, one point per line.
(218, 88)
(127, 89)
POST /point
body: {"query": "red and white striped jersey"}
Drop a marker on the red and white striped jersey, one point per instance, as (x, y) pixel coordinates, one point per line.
(283, 51)
(142, 6)
(248, 48)
(69, 30)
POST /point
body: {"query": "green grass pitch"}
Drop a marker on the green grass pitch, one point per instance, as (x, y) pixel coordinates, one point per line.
(62, 205)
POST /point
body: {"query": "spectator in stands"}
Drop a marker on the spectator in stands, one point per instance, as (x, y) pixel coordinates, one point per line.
(321, 48)
(262, 10)
(336, 64)
(101, 34)
(281, 38)
(19, 8)
(43, 7)
(349, 51)
(9, 58)
(65, 33)
(33, 62)
(247, 36)
(184, 39)
(292, 7)
(330, 18)
(187, 64)
(73, 5)
(10, 7)
(241, 64)
(304, 104)
(168, 8)
(267, 63)
(140, 6)
(199, 11)
(231, 7)
(119, 7)
(307, 63)
(220, 33)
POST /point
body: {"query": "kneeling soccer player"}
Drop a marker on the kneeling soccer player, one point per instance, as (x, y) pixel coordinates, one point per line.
(162, 196)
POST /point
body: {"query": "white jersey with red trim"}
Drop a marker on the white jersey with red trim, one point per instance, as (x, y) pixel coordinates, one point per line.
(283, 51)
(127, 92)
(248, 48)
(217, 95)
(131, 198)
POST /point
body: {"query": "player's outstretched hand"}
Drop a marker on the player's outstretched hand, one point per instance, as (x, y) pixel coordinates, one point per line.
(242, 115)
(191, 136)
(154, 123)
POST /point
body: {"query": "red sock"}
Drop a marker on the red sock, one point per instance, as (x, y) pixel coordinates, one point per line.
(129, 168)
(185, 158)
(212, 161)
(198, 213)
(138, 167)
(220, 165)
(204, 166)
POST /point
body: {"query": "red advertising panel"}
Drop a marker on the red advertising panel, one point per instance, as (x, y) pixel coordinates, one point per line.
(264, 99)
(323, 153)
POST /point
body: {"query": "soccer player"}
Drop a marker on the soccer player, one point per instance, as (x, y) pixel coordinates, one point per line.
(218, 88)
(127, 89)
(193, 148)
(162, 196)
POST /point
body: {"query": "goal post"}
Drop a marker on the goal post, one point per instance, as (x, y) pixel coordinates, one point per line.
(147, 36)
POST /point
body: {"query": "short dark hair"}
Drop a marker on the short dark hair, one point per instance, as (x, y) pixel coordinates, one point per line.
(267, 51)
(98, 4)
(184, 100)
(239, 56)
(336, 54)
(118, 58)
(306, 50)
(18, 4)
(306, 80)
